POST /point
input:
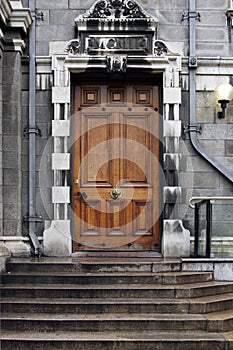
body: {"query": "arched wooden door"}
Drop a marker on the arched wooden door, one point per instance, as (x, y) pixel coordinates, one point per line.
(116, 167)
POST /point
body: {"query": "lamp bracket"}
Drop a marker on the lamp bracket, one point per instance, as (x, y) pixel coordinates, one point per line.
(186, 15)
(192, 128)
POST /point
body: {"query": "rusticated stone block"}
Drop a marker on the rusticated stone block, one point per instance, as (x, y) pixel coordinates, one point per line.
(61, 194)
(172, 161)
(176, 239)
(172, 195)
(57, 239)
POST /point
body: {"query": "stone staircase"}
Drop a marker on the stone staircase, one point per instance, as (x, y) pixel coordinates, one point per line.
(117, 304)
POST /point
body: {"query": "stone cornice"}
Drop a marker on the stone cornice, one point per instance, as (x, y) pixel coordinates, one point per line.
(13, 14)
(210, 65)
(5, 10)
(14, 45)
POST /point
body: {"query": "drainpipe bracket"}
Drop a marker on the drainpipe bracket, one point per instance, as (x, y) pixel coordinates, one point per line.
(39, 16)
(192, 128)
(193, 62)
(32, 130)
(186, 15)
(36, 218)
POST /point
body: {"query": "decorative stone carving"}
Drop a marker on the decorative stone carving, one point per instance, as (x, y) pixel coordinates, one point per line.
(160, 48)
(115, 9)
(116, 64)
(73, 47)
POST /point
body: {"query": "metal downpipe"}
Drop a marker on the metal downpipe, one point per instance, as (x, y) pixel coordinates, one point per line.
(32, 132)
(192, 98)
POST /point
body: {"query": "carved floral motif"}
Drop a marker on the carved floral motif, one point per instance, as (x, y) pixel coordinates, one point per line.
(113, 9)
(73, 47)
(160, 48)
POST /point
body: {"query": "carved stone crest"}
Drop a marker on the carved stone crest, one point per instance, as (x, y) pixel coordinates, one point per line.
(116, 64)
(116, 9)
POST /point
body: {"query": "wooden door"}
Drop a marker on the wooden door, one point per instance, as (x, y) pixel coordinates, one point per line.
(116, 167)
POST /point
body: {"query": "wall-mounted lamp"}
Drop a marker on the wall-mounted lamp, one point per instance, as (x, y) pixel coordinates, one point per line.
(223, 94)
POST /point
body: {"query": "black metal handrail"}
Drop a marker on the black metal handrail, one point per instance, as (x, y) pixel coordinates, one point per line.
(196, 203)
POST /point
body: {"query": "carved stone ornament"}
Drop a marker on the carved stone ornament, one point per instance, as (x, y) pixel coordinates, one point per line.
(116, 64)
(73, 47)
(160, 49)
(116, 9)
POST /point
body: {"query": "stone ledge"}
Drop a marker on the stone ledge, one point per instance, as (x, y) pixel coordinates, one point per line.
(15, 15)
(222, 268)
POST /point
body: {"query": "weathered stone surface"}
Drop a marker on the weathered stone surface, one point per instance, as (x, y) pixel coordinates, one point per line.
(172, 95)
(80, 5)
(224, 271)
(60, 161)
(52, 4)
(55, 32)
(60, 194)
(172, 194)
(172, 128)
(229, 148)
(57, 239)
(176, 239)
(61, 95)
(199, 180)
(18, 248)
(4, 256)
(60, 128)
(61, 17)
(172, 161)
(211, 4)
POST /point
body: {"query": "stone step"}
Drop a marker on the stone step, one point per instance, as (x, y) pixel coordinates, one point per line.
(221, 321)
(102, 322)
(212, 322)
(99, 306)
(121, 340)
(93, 265)
(114, 291)
(202, 305)
(211, 303)
(106, 278)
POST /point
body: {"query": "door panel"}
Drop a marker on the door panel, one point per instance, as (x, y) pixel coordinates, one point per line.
(116, 167)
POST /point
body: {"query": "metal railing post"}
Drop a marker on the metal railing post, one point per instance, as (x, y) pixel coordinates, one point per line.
(196, 230)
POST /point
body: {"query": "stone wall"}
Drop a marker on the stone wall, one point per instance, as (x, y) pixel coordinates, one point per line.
(213, 33)
(1, 170)
(196, 176)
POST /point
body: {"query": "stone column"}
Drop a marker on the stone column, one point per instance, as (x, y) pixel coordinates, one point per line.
(11, 156)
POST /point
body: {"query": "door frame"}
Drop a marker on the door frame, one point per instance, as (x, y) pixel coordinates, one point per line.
(57, 236)
(138, 79)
